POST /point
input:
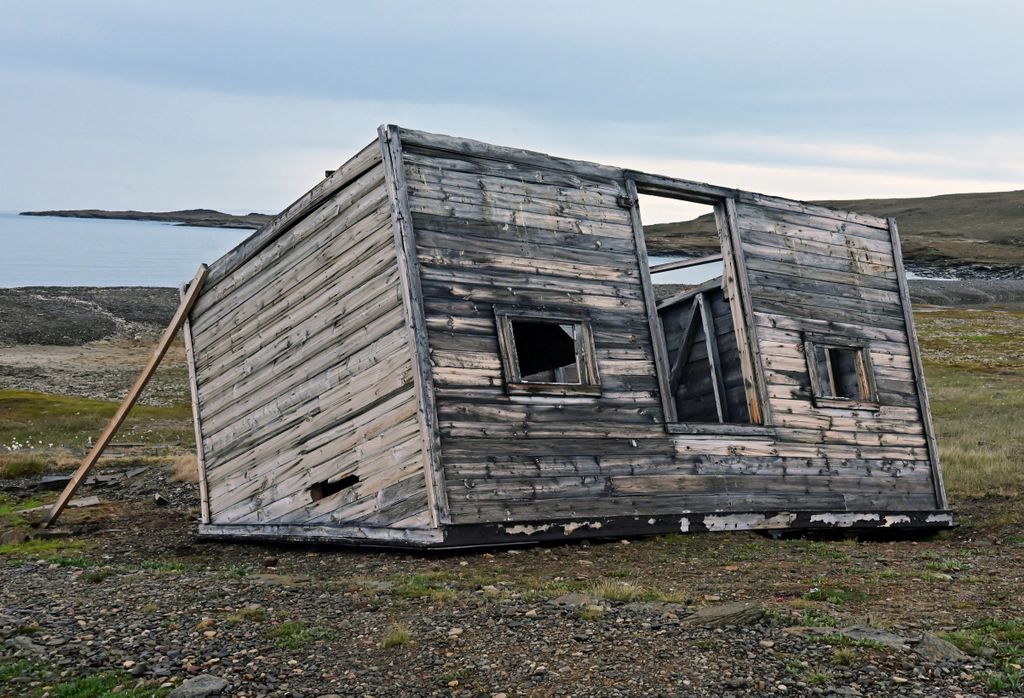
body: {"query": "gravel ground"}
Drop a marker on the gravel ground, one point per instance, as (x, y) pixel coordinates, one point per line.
(128, 593)
(130, 589)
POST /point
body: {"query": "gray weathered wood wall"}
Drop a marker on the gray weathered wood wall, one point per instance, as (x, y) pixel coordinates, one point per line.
(503, 226)
(303, 368)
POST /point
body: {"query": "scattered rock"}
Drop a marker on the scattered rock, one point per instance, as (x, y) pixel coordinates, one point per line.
(199, 687)
(270, 562)
(15, 536)
(160, 500)
(24, 644)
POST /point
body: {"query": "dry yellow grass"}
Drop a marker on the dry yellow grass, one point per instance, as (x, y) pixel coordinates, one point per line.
(974, 366)
(185, 469)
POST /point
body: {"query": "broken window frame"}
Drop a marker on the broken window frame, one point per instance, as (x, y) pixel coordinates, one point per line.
(822, 393)
(734, 284)
(586, 358)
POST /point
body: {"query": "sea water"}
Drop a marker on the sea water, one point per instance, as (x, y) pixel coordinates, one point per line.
(44, 251)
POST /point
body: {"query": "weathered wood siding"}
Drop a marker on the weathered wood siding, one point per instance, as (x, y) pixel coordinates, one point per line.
(821, 272)
(502, 226)
(304, 371)
(518, 234)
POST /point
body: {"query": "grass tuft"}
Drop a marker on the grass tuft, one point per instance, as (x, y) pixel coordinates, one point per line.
(294, 635)
(398, 635)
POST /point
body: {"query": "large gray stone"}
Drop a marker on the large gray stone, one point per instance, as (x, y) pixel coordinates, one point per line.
(200, 687)
(859, 633)
(936, 649)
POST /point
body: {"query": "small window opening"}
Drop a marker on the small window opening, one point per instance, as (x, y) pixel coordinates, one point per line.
(545, 353)
(840, 373)
(326, 488)
(843, 372)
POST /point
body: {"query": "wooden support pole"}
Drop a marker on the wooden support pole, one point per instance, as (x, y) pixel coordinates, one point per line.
(711, 342)
(689, 326)
(133, 396)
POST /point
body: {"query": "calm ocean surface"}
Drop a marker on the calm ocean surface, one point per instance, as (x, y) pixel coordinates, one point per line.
(86, 252)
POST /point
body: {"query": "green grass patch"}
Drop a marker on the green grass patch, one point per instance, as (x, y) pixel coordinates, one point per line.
(1006, 678)
(396, 637)
(813, 618)
(834, 595)
(9, 508)
(430, 585)
(1004, 637)
(42, 549)
(98, 575)
(294, 634)
(108, 684)
(42, 420)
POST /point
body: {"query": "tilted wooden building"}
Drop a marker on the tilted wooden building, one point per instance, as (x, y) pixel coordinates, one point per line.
(449, 343)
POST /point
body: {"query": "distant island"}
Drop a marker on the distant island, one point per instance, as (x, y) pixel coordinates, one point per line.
(199, 217)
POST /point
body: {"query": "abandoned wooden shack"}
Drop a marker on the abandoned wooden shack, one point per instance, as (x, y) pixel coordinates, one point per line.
(450, 343)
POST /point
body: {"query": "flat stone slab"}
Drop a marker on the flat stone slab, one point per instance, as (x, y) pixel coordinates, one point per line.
(200, 687)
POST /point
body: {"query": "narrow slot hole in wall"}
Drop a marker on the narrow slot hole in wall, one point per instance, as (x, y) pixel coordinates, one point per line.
(325, 488)
(675, 231)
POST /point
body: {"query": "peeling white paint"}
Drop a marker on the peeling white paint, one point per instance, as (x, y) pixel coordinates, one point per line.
(895, 521)
(684, 524)
(526, 530)
(739, 522)
(939, 518)
(570, 527)
(843, 520)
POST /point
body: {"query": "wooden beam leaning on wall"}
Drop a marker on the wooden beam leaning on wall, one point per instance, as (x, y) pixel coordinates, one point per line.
(131, 398)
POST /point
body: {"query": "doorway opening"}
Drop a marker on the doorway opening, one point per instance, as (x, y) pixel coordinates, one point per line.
(708, 369)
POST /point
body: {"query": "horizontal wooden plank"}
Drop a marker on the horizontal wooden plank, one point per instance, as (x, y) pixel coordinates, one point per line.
(530, 235)
(514, 158)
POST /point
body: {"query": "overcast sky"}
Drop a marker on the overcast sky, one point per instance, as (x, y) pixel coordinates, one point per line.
(242, 105)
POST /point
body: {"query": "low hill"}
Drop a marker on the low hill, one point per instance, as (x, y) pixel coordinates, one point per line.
(951, 230)
(200, 217)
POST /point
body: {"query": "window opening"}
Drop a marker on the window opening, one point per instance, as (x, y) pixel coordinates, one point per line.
(682, 242)
(544, 353)
(840, 372)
